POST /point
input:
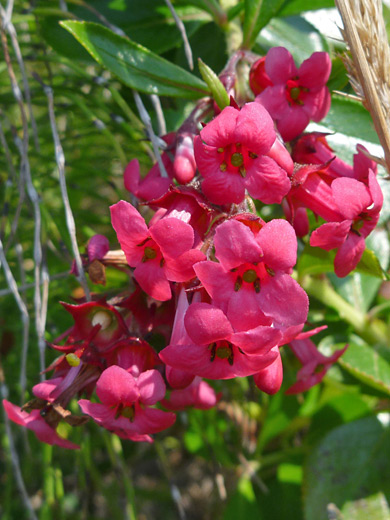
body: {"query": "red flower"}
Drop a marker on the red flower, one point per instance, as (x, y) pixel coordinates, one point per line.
(252, 282)
(160, 254)
(126, 404)
(296, 95)
(233, 154)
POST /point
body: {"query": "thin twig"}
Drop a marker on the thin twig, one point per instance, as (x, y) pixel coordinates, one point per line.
(156, 141)
(162, 127)
(27, 286)
(10, 29)
(14, 454)
(60, 160)
(182, 29)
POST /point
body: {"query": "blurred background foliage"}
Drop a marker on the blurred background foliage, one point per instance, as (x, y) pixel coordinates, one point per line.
(320, 455)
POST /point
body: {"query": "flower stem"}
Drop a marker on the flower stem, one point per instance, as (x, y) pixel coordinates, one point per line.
(372, 331)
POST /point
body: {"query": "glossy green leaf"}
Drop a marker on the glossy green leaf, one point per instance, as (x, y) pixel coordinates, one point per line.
(292, 7)
(367, 365)
(135, 65)
(370, 264)
(296, 34)
(350, 118)
(257, 14)
(347, 474)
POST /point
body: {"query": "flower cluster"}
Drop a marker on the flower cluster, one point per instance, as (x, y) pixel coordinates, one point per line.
(208, 275)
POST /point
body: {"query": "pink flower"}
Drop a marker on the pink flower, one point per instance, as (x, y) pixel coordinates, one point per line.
(160, 254)
(215, 350)
(233, 155)
(258, 79)
(184, 166)
(198, 395)
(35, 422)
(190, 206)
(251, 282)
(296, 95)
(270, 379)
(126, 403)
(315, 364)
(360, 206)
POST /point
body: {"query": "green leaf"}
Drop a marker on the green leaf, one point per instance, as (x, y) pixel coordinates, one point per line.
(370, 264)
(348, 473)
(314, 260)
(300, 37)
(135, 65)
(350, 118)
(257, 14)
(367, 365)
(358, 289)
(292, 7)
(218, 91)
(242, 503)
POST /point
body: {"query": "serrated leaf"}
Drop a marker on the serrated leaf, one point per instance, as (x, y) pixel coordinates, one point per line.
(348, 473)
(135, 65)
(367, 365)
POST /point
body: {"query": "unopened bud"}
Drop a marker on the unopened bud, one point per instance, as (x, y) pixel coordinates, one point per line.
(72, 359)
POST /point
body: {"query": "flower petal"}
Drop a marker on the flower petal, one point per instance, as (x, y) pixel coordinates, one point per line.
(330, 235)
(206, 324)
(151, 387)
(283, 299)
(279, 243)
(279, 65)
(116, 386)
(173, 236)
(235, 244)
(131, 230)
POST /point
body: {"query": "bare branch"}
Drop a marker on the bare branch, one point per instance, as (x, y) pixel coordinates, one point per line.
(60, 160)
(182, 29)
(156, 141)
(162, 127)
(10, 29)
(27, 286)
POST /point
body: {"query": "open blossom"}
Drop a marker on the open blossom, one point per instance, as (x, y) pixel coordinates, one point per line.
(198, 394)
(296, 96)
(126, 402)
(314, 364)
(251, 283)
(160, 254)
(235, 152)
(360, 206)
(215, 351)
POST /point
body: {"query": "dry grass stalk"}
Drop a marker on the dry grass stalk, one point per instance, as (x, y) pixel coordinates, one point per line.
(369, 69)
